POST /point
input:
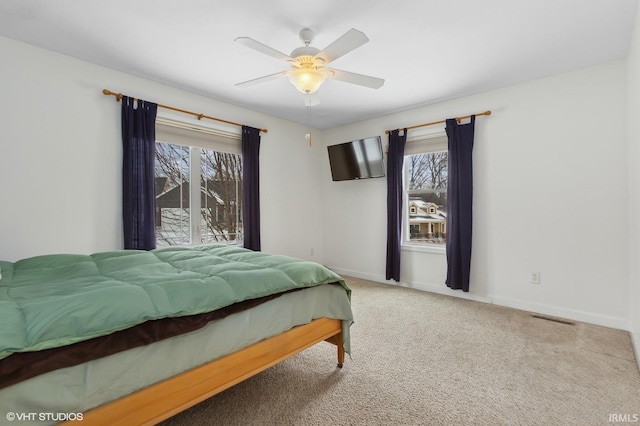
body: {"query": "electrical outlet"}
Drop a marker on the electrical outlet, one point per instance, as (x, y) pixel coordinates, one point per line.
(312, 252)
(534, 278)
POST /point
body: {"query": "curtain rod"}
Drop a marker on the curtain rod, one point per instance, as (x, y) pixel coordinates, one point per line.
(200, 116)
(441, 121)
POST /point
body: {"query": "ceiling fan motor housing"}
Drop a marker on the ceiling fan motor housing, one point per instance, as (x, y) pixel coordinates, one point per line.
(304, 51)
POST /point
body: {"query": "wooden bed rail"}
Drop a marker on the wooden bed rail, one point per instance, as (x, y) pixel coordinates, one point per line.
(162, 400)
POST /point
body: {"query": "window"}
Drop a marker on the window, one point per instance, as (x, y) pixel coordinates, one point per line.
(425, 192)
(208, 211)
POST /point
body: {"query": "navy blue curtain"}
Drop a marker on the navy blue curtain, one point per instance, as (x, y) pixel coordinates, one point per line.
(395, 158)
(459, 203)
(138, 188)
(251, 187)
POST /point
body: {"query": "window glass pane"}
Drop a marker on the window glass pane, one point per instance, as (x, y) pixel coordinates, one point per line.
(221, 196)
(426, 192)
(427, 171)
(172, 194)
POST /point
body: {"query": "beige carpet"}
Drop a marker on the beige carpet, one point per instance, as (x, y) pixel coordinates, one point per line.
(425, 359)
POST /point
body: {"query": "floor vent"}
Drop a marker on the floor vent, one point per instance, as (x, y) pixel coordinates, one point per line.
(554, 319)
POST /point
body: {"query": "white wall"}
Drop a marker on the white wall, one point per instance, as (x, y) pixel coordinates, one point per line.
(633, 73)
(60, 158)
(551, 196)
(551, 148)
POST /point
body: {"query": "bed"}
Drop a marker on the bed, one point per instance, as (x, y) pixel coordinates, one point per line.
(134, 337)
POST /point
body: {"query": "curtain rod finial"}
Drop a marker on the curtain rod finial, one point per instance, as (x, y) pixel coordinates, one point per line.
(109, 92)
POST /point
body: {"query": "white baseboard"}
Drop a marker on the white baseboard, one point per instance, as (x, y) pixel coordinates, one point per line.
(635, 342)
(524, 305)
(357, 274)
(556, 311)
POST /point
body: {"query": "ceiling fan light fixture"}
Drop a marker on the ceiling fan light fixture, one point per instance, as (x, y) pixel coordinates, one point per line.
(307, 79)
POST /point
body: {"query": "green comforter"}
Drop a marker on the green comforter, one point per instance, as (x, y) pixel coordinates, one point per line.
(55, 300)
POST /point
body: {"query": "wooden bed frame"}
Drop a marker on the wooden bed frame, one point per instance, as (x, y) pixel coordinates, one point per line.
(162, 400)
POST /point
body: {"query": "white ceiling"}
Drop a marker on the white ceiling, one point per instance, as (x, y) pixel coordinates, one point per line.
(426, 50)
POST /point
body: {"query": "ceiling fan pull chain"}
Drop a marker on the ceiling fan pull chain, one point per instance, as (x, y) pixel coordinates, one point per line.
(308, 135)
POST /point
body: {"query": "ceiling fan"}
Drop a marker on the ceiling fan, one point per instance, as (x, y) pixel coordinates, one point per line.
(307, 63)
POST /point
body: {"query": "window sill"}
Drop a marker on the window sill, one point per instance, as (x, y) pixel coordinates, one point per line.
(424, 248)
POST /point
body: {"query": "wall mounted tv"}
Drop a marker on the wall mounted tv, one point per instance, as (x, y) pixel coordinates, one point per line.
(359, 159)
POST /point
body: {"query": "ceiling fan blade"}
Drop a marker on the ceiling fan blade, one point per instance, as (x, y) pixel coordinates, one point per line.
(353, 78)
(349, 41)
(311, 99)
(263, 79)
(262, 48)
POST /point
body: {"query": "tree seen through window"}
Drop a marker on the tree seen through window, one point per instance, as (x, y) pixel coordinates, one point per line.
(220, 202)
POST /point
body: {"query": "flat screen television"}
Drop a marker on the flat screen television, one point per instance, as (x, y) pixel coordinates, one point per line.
(359, 159)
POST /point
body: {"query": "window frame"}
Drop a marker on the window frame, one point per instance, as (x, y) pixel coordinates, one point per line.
(196, 137)
(424, 143)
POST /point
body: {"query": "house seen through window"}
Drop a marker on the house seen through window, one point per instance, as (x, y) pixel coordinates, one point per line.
(425, 195)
